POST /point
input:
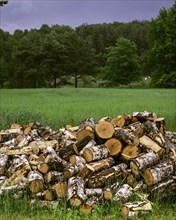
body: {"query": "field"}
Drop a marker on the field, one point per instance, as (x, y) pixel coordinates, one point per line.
(58, 107)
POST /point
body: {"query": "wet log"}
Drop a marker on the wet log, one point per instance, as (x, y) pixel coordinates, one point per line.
(139, 164)
(3, 163)
(123, 193)
(36, 181)
(106, 177)
(86, 129)
(158, 173)
(114, 145)
(144, 116)
(95, 153)
(166, 189)
(130, 151)
(61, 189)
(126, 137)
(136, 208)
(53, 176)
(76, 191)
(104, 130)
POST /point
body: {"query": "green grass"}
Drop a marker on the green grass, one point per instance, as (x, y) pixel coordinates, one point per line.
(57, 107)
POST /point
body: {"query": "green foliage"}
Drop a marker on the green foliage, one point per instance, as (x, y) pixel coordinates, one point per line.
(122, 65)
(163, 42)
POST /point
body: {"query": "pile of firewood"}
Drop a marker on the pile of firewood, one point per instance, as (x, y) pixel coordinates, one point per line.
(98, 161)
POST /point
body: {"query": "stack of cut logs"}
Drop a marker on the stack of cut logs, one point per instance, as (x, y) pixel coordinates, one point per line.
(109, 160)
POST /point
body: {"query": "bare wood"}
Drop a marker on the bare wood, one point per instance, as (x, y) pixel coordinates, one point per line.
(22, 151)
(77, 159)
(133, 209)
(126, 137)
(158, 173)
(90, 144)
(161, 125)
(61, 189)
(104, 130)
(50, 194)
(36, 182)
(95, 153)
(81, 144)
(107, 194)
(55, 162)
(149, 143)
(43, 167)
(114, 145)
(76, 191)
(119, 121)
(130, 151)
(144, 161)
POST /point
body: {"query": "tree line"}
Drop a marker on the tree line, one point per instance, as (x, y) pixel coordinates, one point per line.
(116, 53)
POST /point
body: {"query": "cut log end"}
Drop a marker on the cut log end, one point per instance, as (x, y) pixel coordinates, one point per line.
(148, 177)
(36, 186)
(75, 202)
(114, 146)
(130, 152)
(104, 130)
(88, 155)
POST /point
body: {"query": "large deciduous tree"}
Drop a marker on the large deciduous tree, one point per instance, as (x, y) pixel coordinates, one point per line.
(163, 38)
(122, 63)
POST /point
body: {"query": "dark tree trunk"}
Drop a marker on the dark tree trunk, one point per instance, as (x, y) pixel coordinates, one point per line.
(76, 81)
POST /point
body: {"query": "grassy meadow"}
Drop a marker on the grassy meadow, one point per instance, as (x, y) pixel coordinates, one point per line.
(58, 107)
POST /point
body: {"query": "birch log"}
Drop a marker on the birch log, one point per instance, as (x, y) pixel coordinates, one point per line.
(158, 173)
(36, 182)
(76, 191)
(123, 193)
(95, 153)
(144, 116)
(126, 137)
(139, 164)
(3, 163)
(136, 208)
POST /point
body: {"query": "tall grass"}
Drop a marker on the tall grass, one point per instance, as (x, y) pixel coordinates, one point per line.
(57, 107)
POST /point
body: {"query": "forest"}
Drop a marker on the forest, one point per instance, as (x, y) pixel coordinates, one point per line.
(134, 54)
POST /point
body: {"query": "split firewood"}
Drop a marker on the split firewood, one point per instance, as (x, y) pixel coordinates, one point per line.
(130, 151)
(126, 137)
(158, 173)
(164, 189)
(161, 125)
(95, 167)
(36, 181)
(76, 191)
(123, 193)
(40, 145)
(86, 128)
(118, 121)
(106, 177)
(61, 189)
(104, 130)
(43, 167)
(114, 145)
(144, 116)
(139, 164)
(24, 141)
(149, 143)
(3, 162)
(95, 153)
(136, 208)
(73, 169)
(22, 151)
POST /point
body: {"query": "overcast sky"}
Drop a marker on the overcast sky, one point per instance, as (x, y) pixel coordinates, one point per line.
(27, 14)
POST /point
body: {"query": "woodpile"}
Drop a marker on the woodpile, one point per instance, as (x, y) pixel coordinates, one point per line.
(109, 160)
